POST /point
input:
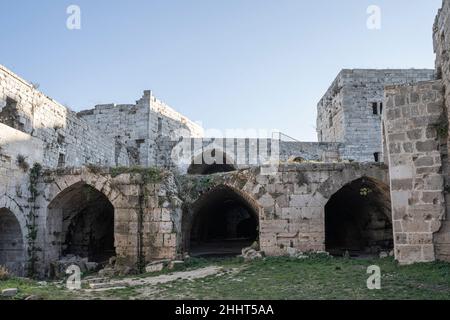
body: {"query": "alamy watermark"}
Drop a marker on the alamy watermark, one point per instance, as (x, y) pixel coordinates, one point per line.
(374, 281)
(74, 280)
(263, 150)
(73, 21)
(374, 19)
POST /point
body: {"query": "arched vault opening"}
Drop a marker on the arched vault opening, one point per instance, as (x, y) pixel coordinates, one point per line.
(358, 219)
(210, 162)
(81, 223)
(221, 223)
(12, 255)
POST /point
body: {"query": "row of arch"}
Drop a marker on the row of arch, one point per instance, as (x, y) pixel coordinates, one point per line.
(80, 221)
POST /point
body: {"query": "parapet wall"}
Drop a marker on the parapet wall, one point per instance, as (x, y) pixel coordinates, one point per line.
(243, 153)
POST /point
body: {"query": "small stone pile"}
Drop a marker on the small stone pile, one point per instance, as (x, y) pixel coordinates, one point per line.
(58, 268)
(250, 254)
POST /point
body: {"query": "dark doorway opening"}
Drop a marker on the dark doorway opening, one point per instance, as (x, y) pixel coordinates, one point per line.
(82, 221)
(216, 161)
(358, 219)
(224, 223)
(11, 243)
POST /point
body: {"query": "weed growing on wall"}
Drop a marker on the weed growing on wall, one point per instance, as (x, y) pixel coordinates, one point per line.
(34, 175)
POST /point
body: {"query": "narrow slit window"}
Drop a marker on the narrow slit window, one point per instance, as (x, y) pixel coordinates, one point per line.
(375, 108)
(376, 156)
(159, 125)
(61, 160)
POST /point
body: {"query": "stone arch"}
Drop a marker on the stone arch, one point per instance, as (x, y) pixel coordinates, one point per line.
(222, 221)
(10, 205)
(211, 160)
(358, 218)
(80, 218)
(346, 175)
(100, 182)
(12, 242)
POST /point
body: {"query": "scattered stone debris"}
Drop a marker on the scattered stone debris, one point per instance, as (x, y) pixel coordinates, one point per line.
(114, 269)
(33, 297)
(58, 268)
(107, 272)
(10, 292)
(148, 283)
(175, 263)
(157, 265)
(250, 254)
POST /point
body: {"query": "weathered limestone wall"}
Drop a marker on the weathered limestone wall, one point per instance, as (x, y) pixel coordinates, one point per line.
(146, 212)
(350, 111)
(441, 40)
(312, 151)
(68, 141)
(413, 123)
(152, 207)
(291, 203)
(34, 129)
(141, 127)
(18, 152)
(126, 124)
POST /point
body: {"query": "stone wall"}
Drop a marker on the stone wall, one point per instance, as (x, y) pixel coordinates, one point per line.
(244, 153)
(291, 203)
(350, 111)
(151, 207)
(146, 213)
(67, 140)
(413, 124)
(441, 40)
(142, 127)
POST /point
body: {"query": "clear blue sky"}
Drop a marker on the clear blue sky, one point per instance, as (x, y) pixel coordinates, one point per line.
(228, 63)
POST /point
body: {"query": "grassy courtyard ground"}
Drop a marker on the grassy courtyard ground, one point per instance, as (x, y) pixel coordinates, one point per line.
(317, 277)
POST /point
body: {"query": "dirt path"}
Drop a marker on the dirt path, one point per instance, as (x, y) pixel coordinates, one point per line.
(151, 281)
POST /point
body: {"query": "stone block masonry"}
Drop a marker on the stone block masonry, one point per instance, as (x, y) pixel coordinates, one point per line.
(413, 119)
(243, 153)
(350, 111)
(153, 211)
(142, 128)
(67, 140)
(441, 40)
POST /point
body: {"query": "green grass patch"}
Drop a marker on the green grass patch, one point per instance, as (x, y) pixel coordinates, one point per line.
(320, 278)
(315, 278)
(27, 288)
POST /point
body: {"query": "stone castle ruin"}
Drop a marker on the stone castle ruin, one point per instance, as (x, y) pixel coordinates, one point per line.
(121, 186)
